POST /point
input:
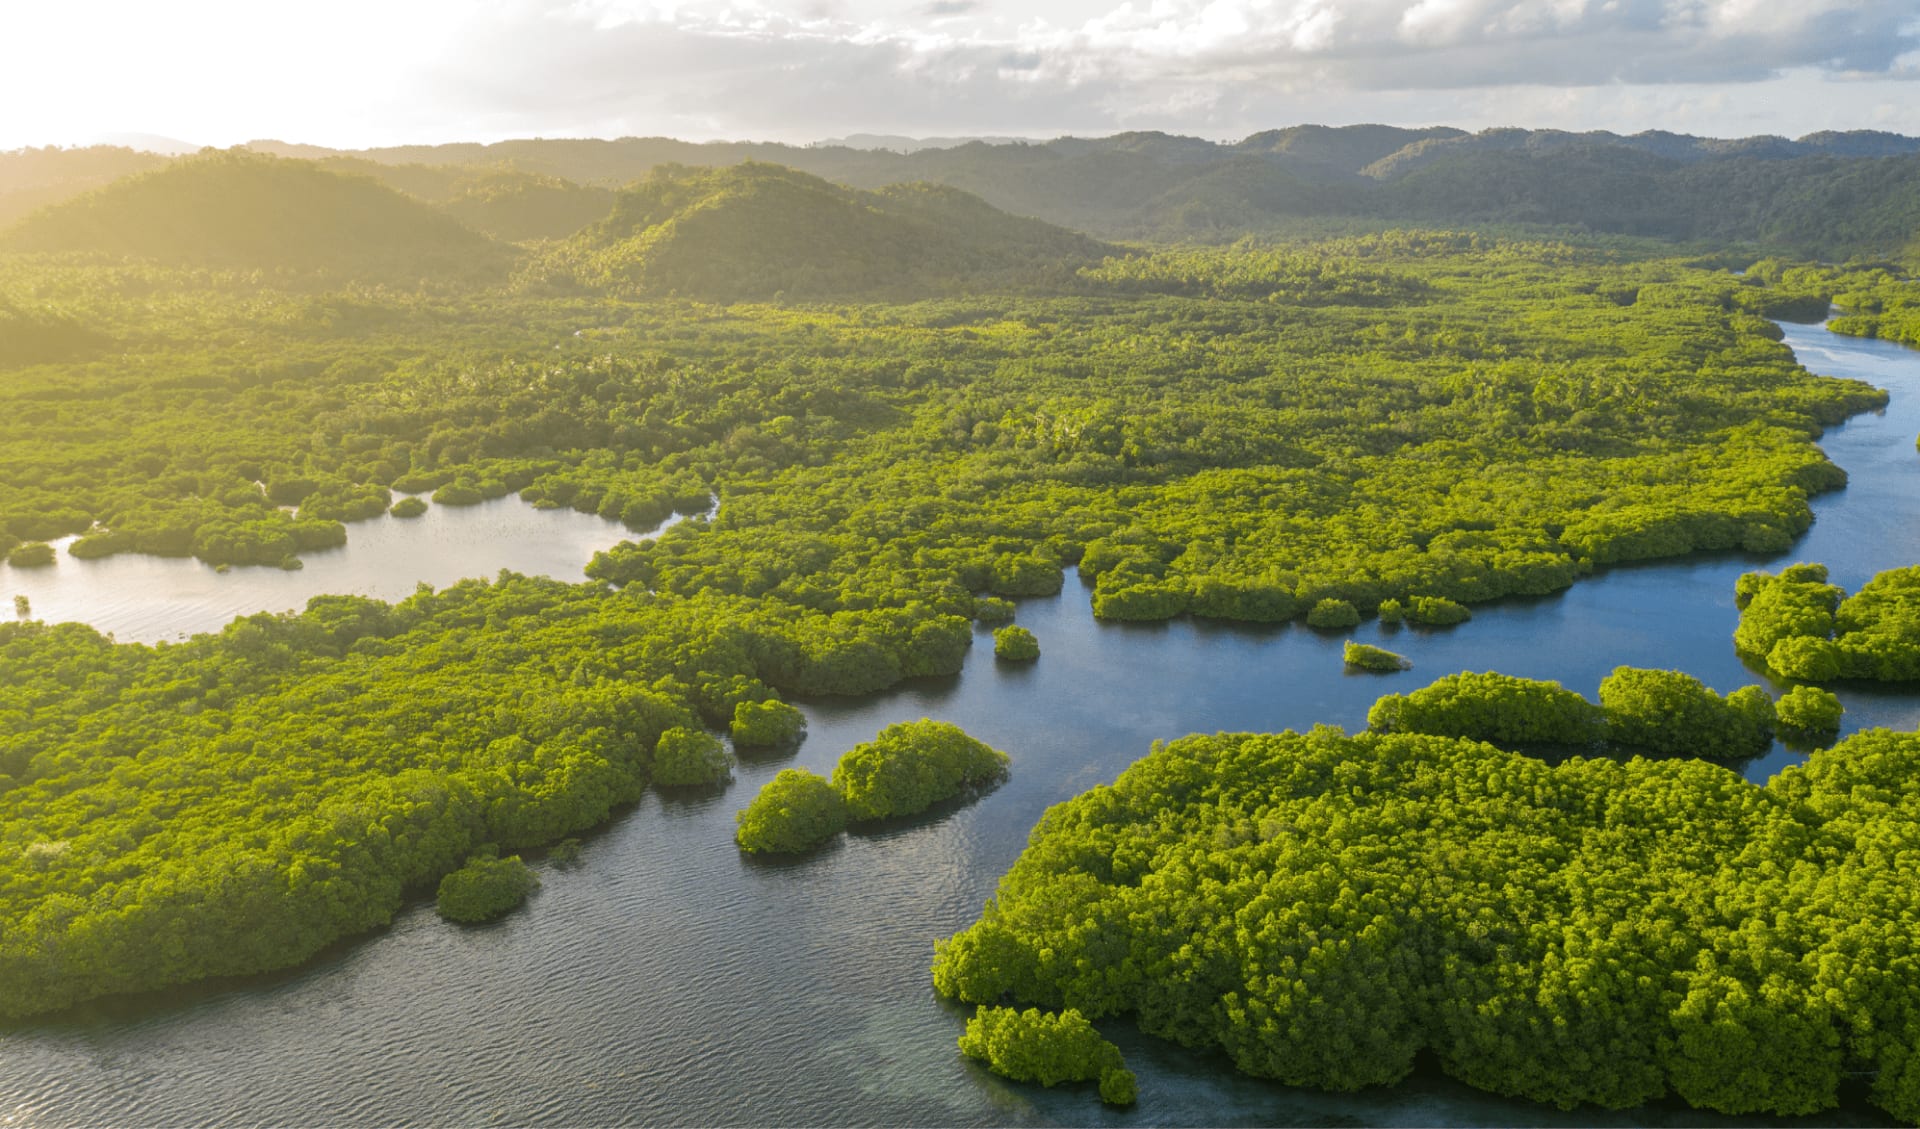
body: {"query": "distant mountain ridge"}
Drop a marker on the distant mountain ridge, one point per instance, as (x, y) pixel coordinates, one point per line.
(1828, 195)
(755, 231)
(1164, 186)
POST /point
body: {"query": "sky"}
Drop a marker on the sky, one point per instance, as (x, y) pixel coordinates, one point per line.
(360, 73)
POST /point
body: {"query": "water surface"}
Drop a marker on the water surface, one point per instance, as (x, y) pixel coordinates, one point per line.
(666, 980)
(139, 598)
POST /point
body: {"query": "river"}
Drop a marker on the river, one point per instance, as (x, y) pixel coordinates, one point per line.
(664, 979)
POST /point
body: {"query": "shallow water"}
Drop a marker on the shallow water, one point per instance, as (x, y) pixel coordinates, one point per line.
(664, 979)
(145, 599)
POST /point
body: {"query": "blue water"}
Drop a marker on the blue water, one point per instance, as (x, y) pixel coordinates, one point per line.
(664, 979)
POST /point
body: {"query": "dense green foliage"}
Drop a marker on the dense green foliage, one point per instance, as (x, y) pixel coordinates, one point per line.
(1435, 611)
(685, 757)
(1497, 708)
(409, 507)
(1810, 710)
(1015, 643)
(1801, 627)
(33, 554)
(1374, 658)
(1666, 711)
(767, 724)
(1333, 615)
(236, 802)
(1654, 711)
(485, 888)
(796, 811)
(992, 609)
(910, 766)
(1323, 908)
(1035, 1046)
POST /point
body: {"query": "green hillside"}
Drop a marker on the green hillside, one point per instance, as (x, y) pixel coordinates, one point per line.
(755, 231)
(31, 179)
(523, 207)
(245, 211)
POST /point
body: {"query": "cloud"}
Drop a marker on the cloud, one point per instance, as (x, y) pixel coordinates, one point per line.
(802, 69)
(768, 69)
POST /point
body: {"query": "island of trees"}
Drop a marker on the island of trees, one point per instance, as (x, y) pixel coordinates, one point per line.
(906, 769)
(1799, 626)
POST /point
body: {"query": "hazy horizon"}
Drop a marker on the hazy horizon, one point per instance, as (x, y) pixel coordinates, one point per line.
(361, 74)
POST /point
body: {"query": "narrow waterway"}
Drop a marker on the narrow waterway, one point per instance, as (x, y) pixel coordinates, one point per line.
(663, 979)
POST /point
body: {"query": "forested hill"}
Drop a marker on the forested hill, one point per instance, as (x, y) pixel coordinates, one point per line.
(1831, 195)
(755, 230)
(31, 179)
(253, 212)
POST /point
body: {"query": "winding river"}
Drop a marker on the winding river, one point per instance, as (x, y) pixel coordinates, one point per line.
(664, 979)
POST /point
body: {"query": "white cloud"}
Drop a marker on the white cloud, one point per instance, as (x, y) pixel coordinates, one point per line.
(368, 71)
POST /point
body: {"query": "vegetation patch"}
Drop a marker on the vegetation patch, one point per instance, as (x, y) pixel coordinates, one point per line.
(485, 888)
(911, 766)
(795, 812)
(767, 724)
(1801, 627)
(1015, 644)
(684, 757)
(1364, 657)
(1640, 711)
(1322, 909)
(1037, 1046)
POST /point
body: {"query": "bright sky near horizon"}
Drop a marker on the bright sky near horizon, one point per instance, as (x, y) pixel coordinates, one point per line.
(357, 73)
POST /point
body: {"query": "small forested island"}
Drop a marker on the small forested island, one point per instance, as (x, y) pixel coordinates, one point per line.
(483, 889)
(904, 770)
(891, 395)
(1799, 626)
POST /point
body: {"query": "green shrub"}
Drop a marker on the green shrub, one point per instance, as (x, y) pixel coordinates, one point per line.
(1806, 629)
(1374, 658)
(1015, 644)
(1497, 708)
(1026, 575)
(1665, 711)
(795, 811)
(992, 609)
(1810, 710)
(911, 766)
(33, 554)
(409, 507)
(1333, 615)
(767, 724)
(484, 889)
(1038, 1046)
(685, 758)
(1436, 611)
(1392, 613)
(458, 494)
(1117, 1087)
(1143, 601)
